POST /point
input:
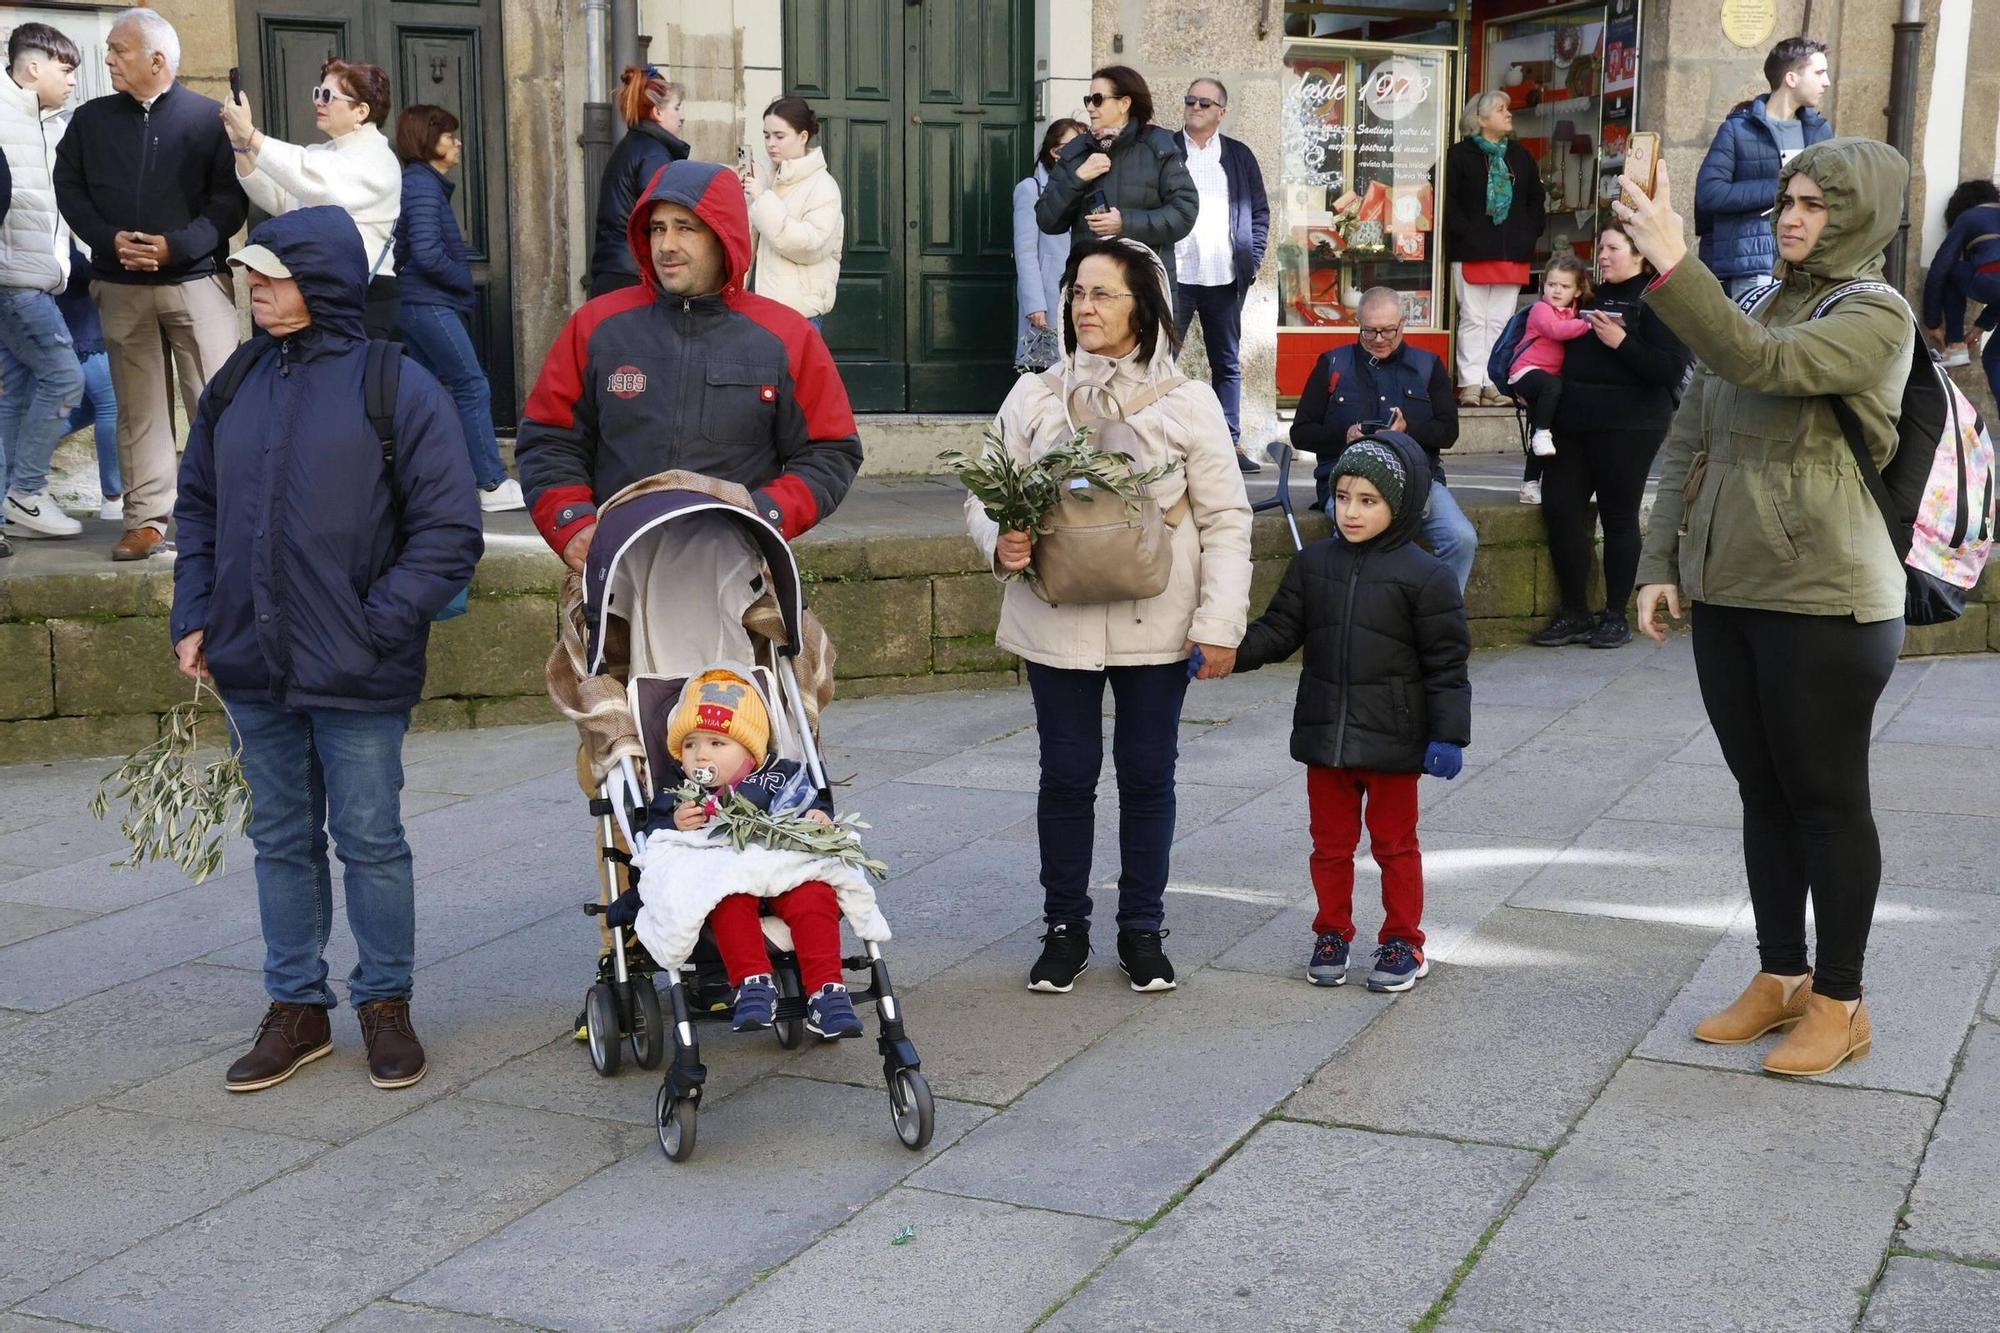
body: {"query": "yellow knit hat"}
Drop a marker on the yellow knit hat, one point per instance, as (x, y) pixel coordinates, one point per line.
(722, 702)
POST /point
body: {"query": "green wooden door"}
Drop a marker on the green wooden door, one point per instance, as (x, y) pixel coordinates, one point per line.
(928, 120)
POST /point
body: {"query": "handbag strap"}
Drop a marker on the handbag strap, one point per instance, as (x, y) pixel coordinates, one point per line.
(1139, 402)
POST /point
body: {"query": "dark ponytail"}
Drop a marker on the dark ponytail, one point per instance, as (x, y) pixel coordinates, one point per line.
(797, 113)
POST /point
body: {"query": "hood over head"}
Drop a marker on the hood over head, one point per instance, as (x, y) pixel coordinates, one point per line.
(322, 247)
(715, 195)
(1080, 367)
(1408, 519)
(1865, 182)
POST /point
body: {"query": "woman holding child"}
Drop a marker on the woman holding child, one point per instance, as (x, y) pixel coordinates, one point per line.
(1797, 592)
(1119, 344)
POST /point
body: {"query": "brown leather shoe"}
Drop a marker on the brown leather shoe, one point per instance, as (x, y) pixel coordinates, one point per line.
(1760, 1008)
(137, 544)
(1827, 1038)
(290, 1036)
(395, 1056)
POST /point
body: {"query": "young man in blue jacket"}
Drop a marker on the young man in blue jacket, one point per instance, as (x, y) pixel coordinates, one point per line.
(313, 556)
(1738, 184)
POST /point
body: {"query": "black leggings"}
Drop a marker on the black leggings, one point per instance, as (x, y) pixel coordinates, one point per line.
(1542, 392)
(1792, 700)
(1612, 465)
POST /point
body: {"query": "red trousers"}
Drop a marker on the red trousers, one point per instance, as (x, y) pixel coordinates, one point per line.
(810, 910)
(1334, 797)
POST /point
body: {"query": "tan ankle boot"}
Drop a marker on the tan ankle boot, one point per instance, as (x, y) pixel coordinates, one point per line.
(1761, 1007)
(1828, 1036)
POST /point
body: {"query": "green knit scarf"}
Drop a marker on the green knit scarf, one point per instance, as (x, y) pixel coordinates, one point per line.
(1499, 180)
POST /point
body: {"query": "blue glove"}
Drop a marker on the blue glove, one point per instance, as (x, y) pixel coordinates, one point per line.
(1196, 660)
(1442, 759)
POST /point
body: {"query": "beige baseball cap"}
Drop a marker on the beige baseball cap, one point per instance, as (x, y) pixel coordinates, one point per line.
(262, 259)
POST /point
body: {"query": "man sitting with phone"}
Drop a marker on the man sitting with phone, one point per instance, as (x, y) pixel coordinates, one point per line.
(1380, 382)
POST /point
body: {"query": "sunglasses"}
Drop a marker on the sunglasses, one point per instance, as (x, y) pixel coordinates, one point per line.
(325, 96)
(1099, 99)
(1203, 102)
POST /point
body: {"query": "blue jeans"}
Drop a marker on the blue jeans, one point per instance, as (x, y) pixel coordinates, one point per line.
(1966, 283)
(99, 407)
(1221, 311)
(1447, 531)
(33, 332)
(437, 335)
(313, 771)
(1145, 742)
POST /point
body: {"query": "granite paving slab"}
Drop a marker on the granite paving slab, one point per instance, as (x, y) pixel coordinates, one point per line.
(65, 833)
(1941, 851)
(1943, 719)
(24, 921)
(1201, 1267)
(31, 791)
(1253, 751)
(558, 1076)
(1142, 1112)
(92, 884)
(1662, 870)
(1684, 792)
(1550, 788)
(1543, 678)
(970, 1265)
(1518, 1034)
(1932, 1296)
(1930, 956)
(88, 1184)
(1691, 1198)
(912, 824)
(1654, 704)
(1973, 679)
(1955, 1208)
(396, 1317)
(42, 973)
(946, 722)
(54, 1062)
(379, 1211)
(774, 1168)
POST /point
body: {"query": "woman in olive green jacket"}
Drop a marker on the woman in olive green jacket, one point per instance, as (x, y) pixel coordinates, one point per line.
(1764, 522)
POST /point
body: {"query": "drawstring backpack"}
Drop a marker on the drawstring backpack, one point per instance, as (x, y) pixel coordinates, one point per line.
(1936, 493)
(1094, 547)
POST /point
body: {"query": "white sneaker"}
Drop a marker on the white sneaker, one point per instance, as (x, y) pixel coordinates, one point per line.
(1531, 492)
(38, 514)
(113, 510)
(507, 495)
(1956, 355)
(1542, 444)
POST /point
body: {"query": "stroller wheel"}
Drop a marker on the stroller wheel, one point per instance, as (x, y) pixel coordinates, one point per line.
(600, 1020)
(677, 1124)
(791, 1031)
(649, 1033)
(912, 1109)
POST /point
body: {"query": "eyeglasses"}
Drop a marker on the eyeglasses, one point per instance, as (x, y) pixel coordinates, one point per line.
(1381, 335)
(1203, 102)
(1095, 296)
(325, 96)
(1099, 99)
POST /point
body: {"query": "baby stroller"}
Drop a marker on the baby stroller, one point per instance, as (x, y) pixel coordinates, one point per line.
(681, 574)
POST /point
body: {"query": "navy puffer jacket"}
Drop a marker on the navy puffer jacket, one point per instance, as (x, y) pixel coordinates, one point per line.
(1385, 642)
(1737, 188)
(433, 266)
(311, 592)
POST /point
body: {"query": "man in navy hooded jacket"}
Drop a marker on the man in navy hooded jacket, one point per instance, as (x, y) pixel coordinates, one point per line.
(1738, 184)
(308, 574)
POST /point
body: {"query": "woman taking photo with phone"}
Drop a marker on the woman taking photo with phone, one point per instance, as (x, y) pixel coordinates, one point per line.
(797, 216)
(1798, 595)
(1125, 178)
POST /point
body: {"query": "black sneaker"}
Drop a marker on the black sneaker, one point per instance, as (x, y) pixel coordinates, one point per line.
(1247, 465)
(1065, 954)
(1612, 631)
(1568, 627)
(1140, 959)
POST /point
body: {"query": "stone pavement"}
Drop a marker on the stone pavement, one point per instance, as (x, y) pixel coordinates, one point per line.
(1527, 1141)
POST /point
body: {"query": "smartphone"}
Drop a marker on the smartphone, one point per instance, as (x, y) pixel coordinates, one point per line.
(235, 83)
(1373, 427)
(1642, 162)
(1099, 202)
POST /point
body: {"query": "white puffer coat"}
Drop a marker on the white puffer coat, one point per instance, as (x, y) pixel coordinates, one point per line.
(1207, 598)
(357, 172)
(799, 229)
(34, 239)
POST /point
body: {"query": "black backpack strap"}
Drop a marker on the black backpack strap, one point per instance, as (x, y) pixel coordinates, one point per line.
(222, 386)
(381, 380)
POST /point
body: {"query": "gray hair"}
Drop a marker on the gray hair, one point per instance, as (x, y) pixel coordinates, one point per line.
(1477, 108)
(158, 35)
(1381, 296)
(1214, 83)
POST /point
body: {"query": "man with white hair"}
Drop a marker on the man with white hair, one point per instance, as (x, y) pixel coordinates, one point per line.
(146, 178)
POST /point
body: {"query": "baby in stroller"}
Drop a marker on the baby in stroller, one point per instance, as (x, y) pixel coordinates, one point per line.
(721, 737)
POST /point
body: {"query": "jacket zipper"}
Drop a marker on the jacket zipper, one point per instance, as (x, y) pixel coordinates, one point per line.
(139, 180)
(1346, 637)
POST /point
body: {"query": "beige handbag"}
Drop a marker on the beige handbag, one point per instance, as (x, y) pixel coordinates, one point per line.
(1097, 548)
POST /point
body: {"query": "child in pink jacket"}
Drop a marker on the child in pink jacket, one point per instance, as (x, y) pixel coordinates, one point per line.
(1536, 375)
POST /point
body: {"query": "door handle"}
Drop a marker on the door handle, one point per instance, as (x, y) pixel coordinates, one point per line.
(916, 120)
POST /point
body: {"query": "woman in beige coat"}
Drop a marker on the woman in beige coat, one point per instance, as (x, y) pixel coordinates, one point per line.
(796, 218)
(1120, 341)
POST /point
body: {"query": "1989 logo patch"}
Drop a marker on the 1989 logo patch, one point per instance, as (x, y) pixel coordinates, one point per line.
(626, 382)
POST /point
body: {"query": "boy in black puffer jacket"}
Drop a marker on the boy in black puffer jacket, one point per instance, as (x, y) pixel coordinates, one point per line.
(1383, 697)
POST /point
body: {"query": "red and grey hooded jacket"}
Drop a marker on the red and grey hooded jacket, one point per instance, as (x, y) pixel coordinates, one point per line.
(730, 385)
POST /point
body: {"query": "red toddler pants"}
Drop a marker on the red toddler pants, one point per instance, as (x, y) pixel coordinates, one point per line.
(810, 910)
(1334, 798)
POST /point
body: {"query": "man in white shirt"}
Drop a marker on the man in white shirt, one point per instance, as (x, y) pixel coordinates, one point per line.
(1216, 262)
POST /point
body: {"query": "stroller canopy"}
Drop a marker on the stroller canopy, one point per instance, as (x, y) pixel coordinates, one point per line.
(659, 561)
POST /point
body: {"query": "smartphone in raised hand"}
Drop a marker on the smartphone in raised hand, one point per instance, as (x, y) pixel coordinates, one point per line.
(1642, 163)
(235, 83)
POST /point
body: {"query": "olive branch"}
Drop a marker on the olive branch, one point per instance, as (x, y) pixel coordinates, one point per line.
(740, 822)
(177, 808)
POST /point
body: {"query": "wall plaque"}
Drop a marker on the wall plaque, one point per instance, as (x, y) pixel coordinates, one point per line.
(1749, 23)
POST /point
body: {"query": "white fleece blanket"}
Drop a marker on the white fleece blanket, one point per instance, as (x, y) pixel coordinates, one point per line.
(684, 875)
